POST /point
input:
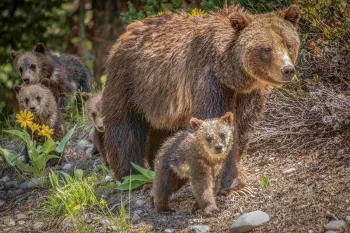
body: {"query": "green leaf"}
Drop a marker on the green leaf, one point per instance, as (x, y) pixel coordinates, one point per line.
(10, 156)
(148, 173)
(66, 176)
(48, 146)
(138, 177)
(25, 167)
(64, 141)
(21, 134)
(127, 186)
(78, 174)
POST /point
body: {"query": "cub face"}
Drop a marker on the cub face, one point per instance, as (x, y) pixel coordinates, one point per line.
(93, 108)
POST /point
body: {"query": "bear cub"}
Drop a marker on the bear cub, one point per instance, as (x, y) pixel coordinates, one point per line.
(93, 109)
(194, 155)
(38, 99)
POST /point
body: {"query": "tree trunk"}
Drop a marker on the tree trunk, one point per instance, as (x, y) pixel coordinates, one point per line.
(82, 35)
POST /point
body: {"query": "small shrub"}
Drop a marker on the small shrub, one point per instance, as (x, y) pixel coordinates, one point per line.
(265, 183)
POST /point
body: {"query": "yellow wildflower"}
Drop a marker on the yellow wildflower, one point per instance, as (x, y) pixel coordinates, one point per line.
(34, 127)
(46, 131)
(197, 12)
(24, 118)
(163, 13)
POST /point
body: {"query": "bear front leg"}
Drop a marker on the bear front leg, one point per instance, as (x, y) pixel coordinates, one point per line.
(248, 109)
(202, 183)
(124, 141)
(165, 183)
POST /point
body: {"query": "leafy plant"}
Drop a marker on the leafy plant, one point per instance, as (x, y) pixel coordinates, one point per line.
(38, 154)
(265, 183)
(132, 182)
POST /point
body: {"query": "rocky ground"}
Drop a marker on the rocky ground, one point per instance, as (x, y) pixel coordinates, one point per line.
(307, 193)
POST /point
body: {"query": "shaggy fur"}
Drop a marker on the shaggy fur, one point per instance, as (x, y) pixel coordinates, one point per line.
(93, 108)
(39, 100)
(196, 155)
(66, 73)
(165, 69)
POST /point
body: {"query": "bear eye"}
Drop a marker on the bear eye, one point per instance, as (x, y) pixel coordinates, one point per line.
(267, 50)
(20, 70)
(33, 67)
(38, 98)
(93, 114)
(222, 136)
(289, 46)
(209, 139)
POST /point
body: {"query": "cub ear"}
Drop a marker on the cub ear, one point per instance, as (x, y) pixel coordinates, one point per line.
(292, 14)
(86, 96)
(40, 48)
(45, 82)
(17, 88)
(195, 123)
(14, 54)
(239, 21)
(228, 118)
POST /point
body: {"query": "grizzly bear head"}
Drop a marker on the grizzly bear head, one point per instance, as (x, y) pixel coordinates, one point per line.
(34, 65)
(264, 50)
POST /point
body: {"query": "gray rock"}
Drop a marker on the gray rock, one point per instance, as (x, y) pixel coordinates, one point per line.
(335, 225)
(289, 171)
(114, 228)
(19, 217)
(24, 185)
(346, 219)
(2, 203)
(22, 222)
(331, 232)
(169, 230)
(18, 192)
(67, 166)
(200, 229)
(104, 223)
(310, 231)
(249, 221)
(9, 222)
(38, 225)
(139, 212)
(82, 145)
(10, 184)
(140, 202)
(135, 219)
(4, 179)
(88, 152)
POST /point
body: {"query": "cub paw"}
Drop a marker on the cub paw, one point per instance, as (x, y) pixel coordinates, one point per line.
(211, 210)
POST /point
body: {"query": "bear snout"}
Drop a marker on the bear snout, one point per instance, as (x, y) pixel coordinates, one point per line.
(288, 72)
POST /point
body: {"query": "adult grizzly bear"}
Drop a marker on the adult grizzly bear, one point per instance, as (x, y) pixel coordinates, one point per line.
(165, 69)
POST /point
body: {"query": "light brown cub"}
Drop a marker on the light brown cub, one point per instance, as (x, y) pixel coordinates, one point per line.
(197, 155)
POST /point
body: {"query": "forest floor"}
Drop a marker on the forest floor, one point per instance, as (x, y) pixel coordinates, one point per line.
(305, 193)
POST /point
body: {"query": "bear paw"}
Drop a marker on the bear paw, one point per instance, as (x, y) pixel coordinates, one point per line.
(210, 210)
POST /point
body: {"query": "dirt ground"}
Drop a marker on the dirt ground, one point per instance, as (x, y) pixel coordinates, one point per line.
(317, 192)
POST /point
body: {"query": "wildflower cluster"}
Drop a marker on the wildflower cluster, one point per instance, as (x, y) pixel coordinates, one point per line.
(26, 119)
(197, 13)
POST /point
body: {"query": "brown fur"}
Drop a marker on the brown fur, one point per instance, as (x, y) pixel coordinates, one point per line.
(93, 109)
(163, 70)
(196, 156)
(45, 109)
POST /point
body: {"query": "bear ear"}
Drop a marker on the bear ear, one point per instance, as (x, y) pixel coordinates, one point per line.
(14, 54)
(40, 48)
(45, 82)
(239, 21)
(17, 88)
(228, 118)
(86, 96)
(292, 14)
(195, 123)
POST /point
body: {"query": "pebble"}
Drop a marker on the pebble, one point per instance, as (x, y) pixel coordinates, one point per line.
(335, 225)
(21, 222)
(140, 202)
(88, 152)
(67, 166)
(139, 212)
(114, 228)
(18, 192)
(249, 221)
(289, 171)
(82, 145)
(30, 212)
(347, 218)
(310, 231)
(4, 179)
(135, 219)
(2, 203)
(19, 217)
(38, 225)
(104, 223)
(169, 230)
(10, 184)
(9, 222)
(200, 229)
(331, 232)
(91, 135)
